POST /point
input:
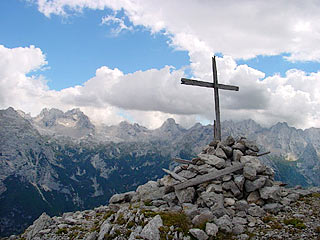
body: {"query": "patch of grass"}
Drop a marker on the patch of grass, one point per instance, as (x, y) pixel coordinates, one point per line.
(108, 236)
(224, 236)
(202, 225)
(250, 234)
(164, 230)
(149, 213)
(62, 231)
(177, 219)
(117, 232)
(95, 227)
(120, 220)
(268, 219)
(128, 233)
(77, 228)
(108, 214)
(297, 223)
(130, 224)
(315, 195)
(148, 203)
(276, 225)
(73, 235)
(99, 214)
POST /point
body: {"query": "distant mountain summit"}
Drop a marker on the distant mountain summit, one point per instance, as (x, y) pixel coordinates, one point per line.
(72, 123)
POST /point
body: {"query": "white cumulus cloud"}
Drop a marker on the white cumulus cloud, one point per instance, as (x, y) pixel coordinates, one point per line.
(151, 96)
(241, 29)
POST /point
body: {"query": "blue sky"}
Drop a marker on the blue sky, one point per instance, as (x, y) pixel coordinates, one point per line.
(76, 46)
(269, 50)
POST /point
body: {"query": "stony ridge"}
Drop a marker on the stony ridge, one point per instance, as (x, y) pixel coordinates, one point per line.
(243, 204)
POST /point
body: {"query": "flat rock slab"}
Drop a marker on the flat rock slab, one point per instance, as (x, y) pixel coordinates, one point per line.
(208, 177)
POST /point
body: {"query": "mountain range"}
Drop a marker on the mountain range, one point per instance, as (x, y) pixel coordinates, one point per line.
(59, 161)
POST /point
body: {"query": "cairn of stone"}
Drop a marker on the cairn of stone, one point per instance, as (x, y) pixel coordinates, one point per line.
(244, 190)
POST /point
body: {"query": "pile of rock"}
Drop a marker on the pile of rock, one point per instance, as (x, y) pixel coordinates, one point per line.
(225, 189)
(231, 201)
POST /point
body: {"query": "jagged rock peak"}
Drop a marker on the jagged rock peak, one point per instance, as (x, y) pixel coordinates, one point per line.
(281, 125)
(73, 123)
(12, 115)
(170, 124)
(10, 111)
(50, 112)
(124, 124)
(197, 125)
(50, 117)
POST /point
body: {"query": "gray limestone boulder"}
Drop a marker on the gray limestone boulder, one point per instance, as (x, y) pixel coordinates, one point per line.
(236, 155)
(123, 197)
(150, 191)
(198, 234)
(238, 229)
(242, 205)
(256, 211)
(213, 160)
(104, 229)
(227, 150)
(212, 229)
(217, 188)
(168, 181)
(187, 174)
(203, 217)
(229, 141)
(232, 187)
(191, 210)
(239, 146)
(251, 186)
(251, 145)
(212, 198)
(170, 198)
(41, 223)
(239, 181)
(273, 207)
(91, 236)
(185, 195)
(270, 193)
(254, 162)
(229, 201)
(239, 221)
(220, 153)
(151, 230)
(253, 197)
(224, 223)
(249, 172)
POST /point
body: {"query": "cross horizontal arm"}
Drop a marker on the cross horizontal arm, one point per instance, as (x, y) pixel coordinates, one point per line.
(207, 84)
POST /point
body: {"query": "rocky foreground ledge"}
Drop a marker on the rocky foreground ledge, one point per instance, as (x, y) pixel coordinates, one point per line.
(243, 203)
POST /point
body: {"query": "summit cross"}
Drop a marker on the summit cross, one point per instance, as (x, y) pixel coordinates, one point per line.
(216, 86)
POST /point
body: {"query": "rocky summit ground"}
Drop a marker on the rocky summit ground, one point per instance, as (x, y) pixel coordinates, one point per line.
(298, 220)
(224, 193)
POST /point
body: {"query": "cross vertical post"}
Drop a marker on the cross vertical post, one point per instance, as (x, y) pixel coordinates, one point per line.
(217, 124)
